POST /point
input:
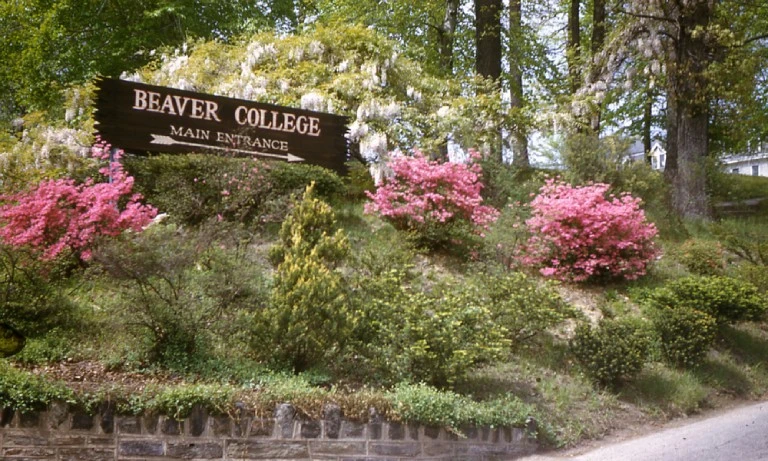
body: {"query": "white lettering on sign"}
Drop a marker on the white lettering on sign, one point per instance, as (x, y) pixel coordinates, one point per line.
(277, 121)
(194, 133)
(238, 140)
(180, 106)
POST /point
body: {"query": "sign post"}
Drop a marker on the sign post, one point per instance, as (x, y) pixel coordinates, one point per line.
(146, 118)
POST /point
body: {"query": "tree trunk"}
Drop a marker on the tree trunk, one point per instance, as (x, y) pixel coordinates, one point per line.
(573, 49)
(488, 52)
(488, 38)
(519, 138)
(647, 123)
(689, 181)
(446, 34)
(597, 44)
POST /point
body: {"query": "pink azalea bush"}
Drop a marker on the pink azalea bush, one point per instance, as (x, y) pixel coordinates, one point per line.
(59, 214)
(578, 234)
(431, 198)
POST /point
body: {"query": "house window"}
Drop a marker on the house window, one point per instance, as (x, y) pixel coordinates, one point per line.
(755, 170)
(662, 161)
(735, 171)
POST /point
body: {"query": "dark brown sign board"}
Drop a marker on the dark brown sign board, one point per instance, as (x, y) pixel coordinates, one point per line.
(141, 118)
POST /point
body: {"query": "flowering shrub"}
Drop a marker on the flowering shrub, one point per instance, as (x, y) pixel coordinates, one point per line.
(428, 197)
(578, 234)
(59, 214)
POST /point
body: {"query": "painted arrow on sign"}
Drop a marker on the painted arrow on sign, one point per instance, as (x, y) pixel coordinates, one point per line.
(169, 141)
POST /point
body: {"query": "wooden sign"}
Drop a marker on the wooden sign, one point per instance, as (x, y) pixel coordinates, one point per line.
(143, 118)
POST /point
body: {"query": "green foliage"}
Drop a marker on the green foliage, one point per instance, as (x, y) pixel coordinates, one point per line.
(26, 392)
(33, 296)
(588, 159)
(405, 334)
(178, 401)
(523, 306)
(506, 184)
(306, 320)
(685, 334)
(174, 289)
(196, 188)
(702, 257)
(735, 187)
(288, 179)
(744, 238)
(724, 298)
(427, 405)
(307, 229)
(612, 351)
(754, 274)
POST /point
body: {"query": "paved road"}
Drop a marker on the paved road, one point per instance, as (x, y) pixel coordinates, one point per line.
(740, 435)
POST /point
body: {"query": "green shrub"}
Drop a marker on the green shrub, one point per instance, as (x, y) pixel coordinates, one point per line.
(726, 299)
(26, 392)
(524, 307)
(33, 293)
(685, 334)
(287, 179)
(311, 227)
(754, 274)
(612, 351)
(427, 405)
(405, 334)
(702, 257)
(306, 320)
(744, 238)
(174, 289)
(195, 188)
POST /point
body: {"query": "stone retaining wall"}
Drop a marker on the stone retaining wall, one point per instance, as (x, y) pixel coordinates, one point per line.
(63, 435)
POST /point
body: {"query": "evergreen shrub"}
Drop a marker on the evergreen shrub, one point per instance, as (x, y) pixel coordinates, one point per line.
(306, 321)
(615, 349)
(685, 334)
(702, 257)
(724, 298)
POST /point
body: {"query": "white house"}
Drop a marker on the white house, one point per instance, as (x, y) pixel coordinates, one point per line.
(752, 163)
(658, 154)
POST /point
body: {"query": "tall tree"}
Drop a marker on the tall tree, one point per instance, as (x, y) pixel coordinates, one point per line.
(488, 38)
(519, 142)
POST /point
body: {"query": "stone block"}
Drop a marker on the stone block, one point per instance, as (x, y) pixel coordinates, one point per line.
(375, 431)
(285, 415)
(141, 448)
(310, 429)
(57, 415)
(261, 428)
(439, 449)
(405, 449)
(332, 420)
(68, 440)
(337, 448)
(6, 416)
(198, 419)
(101, 441)
(352, 430)
(431, 432)
(29, 420)
(107, 417)
(28, 452)
(194, 450)
(129, 425)
(268, 449)
(170, 426)
(86, 454)
(222, 426)
(150, 423)
(396, 431)
(82, 421)
(24, 440)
